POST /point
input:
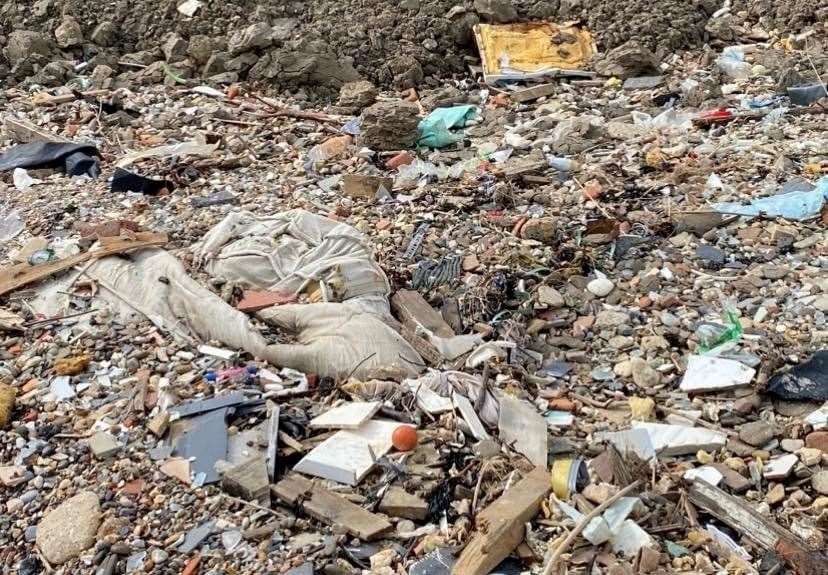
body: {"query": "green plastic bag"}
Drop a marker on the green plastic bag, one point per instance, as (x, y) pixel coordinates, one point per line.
(713, 335)
(435, 129)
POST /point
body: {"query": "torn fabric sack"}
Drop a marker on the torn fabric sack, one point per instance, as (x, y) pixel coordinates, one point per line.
(285, 252)
(333, 339)
(336, 339)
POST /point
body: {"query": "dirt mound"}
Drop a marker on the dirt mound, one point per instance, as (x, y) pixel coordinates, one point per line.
(786, 15)
(319, 45)
(661, 25)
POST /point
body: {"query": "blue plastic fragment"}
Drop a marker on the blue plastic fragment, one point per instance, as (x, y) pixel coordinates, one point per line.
(799, 205)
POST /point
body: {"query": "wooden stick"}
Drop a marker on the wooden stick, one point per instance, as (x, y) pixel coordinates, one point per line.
(553, 561)
(698, 421)
(251, 504)
(298, 114)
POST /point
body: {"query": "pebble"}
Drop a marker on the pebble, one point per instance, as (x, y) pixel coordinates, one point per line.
(28, 497)
(406, 526)
(776, 494)
(69, 529)
(159, 556)
(736, 464)
(775, 272)
(820, 482)
(600, 287)
(623, 369)
(810, 456)
(610, 319)
(550, 297)
(643, 375)
(817, 440)
(757, 433)
(792, 445)
(642, 408)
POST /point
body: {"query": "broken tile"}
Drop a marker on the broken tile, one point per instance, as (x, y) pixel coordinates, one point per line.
(781, 467)
(709, 373)
(346, 416)
(348, 455)
(202, 440)
(196, 537)
(469, 415)
(523, 429)
(680, 440)
(253, 301)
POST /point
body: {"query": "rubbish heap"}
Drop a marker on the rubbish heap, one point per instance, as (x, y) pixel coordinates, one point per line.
(551, 302)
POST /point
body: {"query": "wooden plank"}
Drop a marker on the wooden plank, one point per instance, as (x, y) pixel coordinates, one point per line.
(738, 515)
(413, 310)
(425, 348)
(533, 93)
(325, 506)
(501, 526)
(24, 132)
(17, 276)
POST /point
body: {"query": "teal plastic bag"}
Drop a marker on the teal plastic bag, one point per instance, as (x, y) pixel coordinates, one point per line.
(435, 129)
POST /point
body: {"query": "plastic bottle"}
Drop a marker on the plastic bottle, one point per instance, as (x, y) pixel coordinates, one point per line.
(329, 148)
(732, 62)
(563, 164)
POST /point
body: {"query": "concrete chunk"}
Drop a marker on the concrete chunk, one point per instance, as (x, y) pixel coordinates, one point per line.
(104, 445)
(248, 480)
(397, 502)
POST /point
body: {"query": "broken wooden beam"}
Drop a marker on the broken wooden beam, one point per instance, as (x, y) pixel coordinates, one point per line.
(501, 526)
(329, 508)
(414, 311)
(801, 561)
(17, 276)
(24, 132)
(425, 348)
(734, 512)
(533, 93)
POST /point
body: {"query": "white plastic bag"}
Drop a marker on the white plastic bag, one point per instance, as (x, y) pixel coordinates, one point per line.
(732, 62)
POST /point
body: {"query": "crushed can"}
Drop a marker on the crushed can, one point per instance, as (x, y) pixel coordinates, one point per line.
(569, 476)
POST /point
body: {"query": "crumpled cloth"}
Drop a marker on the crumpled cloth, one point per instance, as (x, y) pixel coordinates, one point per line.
(336, 340)
(445, 382)
(286, 251)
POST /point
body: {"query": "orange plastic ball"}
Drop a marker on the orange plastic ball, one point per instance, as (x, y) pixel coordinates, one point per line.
(404, 438)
